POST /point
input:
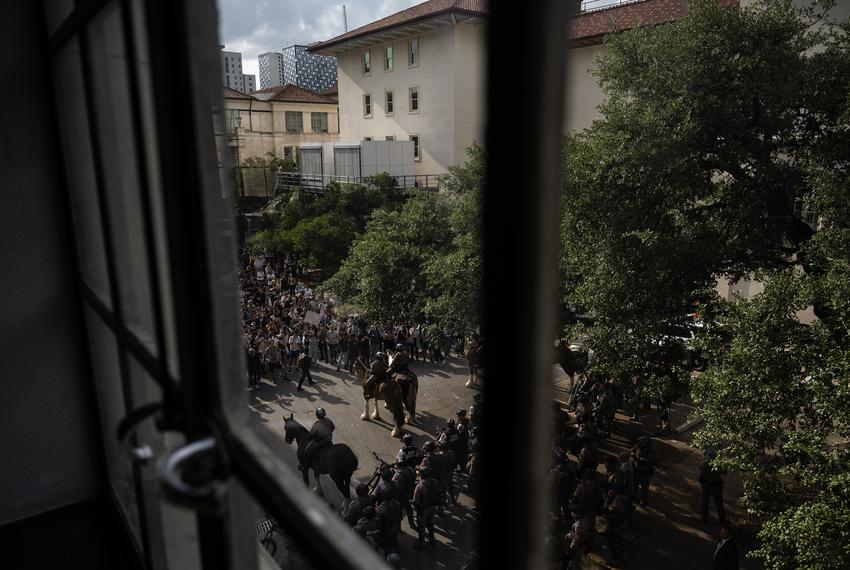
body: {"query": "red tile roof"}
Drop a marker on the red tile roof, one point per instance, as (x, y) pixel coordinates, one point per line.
(292, 94)
(234, 94)
(331, 92)
(590, 26)
(428, 9)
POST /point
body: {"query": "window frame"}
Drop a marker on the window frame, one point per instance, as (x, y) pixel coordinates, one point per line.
(417, 148)
(300, 122)
(369, 104)
(326, 122)
(410, 91)
(410, 52)
(366, 62)
(389, 54)
(389, 103)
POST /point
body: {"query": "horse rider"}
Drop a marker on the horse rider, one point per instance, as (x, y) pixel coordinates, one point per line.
(377, 373)
(390, 515)
(408, 455)
(400, 359)
(353, 510)
(426, 498)
(322, 432)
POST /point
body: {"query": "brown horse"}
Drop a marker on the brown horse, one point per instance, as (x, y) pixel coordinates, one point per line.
(391, 393)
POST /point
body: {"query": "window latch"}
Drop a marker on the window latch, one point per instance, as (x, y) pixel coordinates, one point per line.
(192, 475)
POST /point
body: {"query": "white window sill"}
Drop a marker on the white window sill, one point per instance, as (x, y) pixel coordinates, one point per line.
(413, 112)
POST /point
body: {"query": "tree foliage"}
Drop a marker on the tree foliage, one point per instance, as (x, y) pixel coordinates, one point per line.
(717, 132)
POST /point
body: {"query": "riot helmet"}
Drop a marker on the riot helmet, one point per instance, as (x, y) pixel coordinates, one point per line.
(320, 413)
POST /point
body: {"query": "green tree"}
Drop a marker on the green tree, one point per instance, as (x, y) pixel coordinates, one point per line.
(454, 277)
(383, 271)
(717, 131)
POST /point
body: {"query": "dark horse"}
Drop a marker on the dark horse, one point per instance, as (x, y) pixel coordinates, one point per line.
(337, 460)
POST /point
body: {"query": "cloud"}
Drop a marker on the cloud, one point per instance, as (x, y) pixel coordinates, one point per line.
(259, 26)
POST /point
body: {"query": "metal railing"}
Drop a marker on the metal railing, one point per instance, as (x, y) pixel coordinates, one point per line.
(318, 182)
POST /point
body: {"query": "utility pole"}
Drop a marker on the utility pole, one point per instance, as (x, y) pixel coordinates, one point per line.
(344, 18)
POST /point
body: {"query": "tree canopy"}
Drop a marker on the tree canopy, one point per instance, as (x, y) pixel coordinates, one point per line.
(718, 133)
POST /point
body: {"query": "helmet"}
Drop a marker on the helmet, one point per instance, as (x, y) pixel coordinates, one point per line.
(394, 560)
(362, 490)
(461, 413)
(368, 511)
(450, 423)
(429, 446)
(380, 354)
(320, 413)
(477, 396)
(387, 474)
(407, 438)
(399, 346)
(425, 472)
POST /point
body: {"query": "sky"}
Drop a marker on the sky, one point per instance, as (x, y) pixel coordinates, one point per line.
(255, 27)
(252, 27)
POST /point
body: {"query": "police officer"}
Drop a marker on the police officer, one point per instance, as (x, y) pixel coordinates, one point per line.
(644, 464)
(394, 560)
(369, 526)
(377, 373)
(389, 514)
(711, 482)
(399, 360)
(353, 510)
(322, 432)
(447, 463)
(405, 483)
(476, 410)
(408, 455)
(386, 482)
(426, 497)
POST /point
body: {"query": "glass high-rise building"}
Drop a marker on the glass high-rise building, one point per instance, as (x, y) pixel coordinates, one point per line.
(296, 66)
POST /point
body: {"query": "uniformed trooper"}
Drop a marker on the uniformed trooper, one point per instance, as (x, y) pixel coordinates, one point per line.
(426, 498)
(322, 432)
(462, 448)
(408, 455)
(353, 510)
(405, 483)
(369, 527)
(429, 458)
(394, 560)
(447, 463)
(399, 360)
(389, 514)
(644, 467)
(377, 372)
(386, 482)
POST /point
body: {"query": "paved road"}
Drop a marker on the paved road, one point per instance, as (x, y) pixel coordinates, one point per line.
(441, 394)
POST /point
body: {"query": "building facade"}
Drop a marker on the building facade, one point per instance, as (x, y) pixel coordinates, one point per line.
(276, 120)
(417, 75)
(271, 69)
(231, 69)
(295, 65)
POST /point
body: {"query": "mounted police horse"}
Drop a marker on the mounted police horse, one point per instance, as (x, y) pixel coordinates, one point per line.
(337, 460)
(398, 391)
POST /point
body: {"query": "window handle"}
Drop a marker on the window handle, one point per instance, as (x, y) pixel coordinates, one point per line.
(189, 475)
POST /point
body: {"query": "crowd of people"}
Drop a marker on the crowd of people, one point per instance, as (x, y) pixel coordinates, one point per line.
(288, 328)
(582, 495)
(419, 485)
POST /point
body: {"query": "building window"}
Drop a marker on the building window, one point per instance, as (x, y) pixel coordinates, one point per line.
(294, 122)
(389, 138)
(367, 105)
(367, 138)
(413, 52)
(388, 99)
(319, 122)
(388, 59)
(414, 99)
(415, 139)
(367, 62)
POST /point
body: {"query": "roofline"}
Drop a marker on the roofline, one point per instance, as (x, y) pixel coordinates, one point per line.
(332, 42)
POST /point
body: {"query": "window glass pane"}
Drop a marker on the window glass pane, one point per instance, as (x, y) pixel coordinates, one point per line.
(121, 172)
(366, 62)
(388, 63)
(172, 529)
(413, 52)
(79, 168)
(55, 12)
(111, 406)
(294, 121)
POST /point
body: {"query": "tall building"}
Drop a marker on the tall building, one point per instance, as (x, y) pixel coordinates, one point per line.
(417, 75)
(296, 65)
(231, 66)
(271, 69)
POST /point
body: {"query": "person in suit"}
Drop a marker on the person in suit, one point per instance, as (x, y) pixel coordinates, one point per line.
(726, 556)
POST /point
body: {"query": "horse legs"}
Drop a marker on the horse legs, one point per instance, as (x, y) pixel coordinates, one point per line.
(471, 381)
(376, 415)
(318, 490)
(411, 404)
(365, 415)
